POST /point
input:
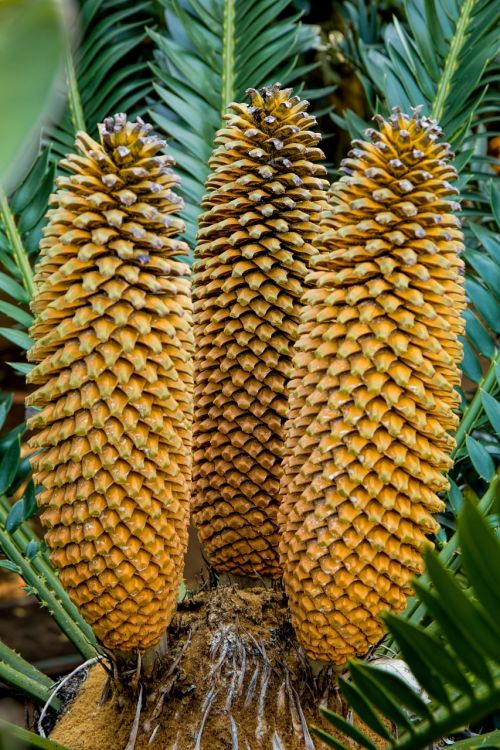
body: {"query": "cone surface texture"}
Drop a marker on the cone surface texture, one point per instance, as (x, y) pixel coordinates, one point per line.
(261, 214)
(372, 392)
(114, 351)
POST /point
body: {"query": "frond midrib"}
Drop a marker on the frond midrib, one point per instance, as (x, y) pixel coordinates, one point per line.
(450, 64)
(228, 47)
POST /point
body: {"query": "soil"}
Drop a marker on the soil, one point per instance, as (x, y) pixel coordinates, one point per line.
(234, 678)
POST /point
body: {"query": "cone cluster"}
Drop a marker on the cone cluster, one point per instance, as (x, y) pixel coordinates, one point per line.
(260, 216)
(372, 392)
(113, 350)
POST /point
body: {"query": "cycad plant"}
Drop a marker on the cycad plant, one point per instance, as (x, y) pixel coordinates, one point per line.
(374, 393)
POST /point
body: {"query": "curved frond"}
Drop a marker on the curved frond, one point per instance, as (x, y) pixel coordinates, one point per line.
(456, 660)
(210, 54)
(439, 60)
(108, 72)
(21, 220)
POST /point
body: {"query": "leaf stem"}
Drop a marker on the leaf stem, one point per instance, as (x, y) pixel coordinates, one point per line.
(27, 739)
(38, 575)
(74, 101)
(20, 254)
(27, 684)
(474, 408)
(14, 660)
(228, 42)
(451, 62)
(42, 565)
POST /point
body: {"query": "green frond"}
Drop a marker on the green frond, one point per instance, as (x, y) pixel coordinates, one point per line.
(456, 660)
(21, 220)
(108, 72)
(439, 60)
(211, 52)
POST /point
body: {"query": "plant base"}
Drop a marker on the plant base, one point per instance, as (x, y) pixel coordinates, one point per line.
(234, 678)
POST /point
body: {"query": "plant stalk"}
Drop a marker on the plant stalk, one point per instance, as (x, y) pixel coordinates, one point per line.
(37, 579)
(74, 101)
(42, 566)
(20, 254)
(474, 408)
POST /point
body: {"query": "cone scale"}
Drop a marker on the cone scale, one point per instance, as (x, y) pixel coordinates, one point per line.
(260, 217)
(113, 350)
(372, 393)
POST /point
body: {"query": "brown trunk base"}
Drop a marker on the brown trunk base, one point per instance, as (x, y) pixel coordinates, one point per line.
(234, 678)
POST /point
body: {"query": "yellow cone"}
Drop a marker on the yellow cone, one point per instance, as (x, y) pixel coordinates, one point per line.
(372, 393)
(260, 217)
(114, 375)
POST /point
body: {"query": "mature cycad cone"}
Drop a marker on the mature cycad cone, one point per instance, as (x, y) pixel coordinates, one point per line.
(114, 352)
(372, 395)
(261, 214)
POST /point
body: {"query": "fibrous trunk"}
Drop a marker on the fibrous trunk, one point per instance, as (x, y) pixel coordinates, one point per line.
(261, 214)
(373, 394)
(114, 375)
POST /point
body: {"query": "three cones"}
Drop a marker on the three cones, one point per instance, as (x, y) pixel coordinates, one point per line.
(351, 433)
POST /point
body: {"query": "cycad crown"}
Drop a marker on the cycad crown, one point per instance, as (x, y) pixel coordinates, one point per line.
(114, 347)
(372, 394)
(261, 214)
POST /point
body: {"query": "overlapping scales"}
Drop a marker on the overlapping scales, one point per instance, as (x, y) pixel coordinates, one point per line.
(372, 394)
(114, 384)
(261, 215)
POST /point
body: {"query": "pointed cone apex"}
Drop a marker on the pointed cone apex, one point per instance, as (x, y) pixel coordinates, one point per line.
(261, 214)
(113, 358)
(372, 391)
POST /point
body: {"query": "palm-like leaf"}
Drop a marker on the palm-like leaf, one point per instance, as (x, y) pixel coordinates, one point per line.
(458, 665)
(108, 72)
(21, 220)
(439, 60)
(212, 51)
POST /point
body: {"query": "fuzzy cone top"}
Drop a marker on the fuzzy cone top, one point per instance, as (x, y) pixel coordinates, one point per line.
(114, 384)
(373, 396)
(260, 216)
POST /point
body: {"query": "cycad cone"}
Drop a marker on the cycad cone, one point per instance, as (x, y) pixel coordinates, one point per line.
(261, 215)
(113, 352)
(372, 394)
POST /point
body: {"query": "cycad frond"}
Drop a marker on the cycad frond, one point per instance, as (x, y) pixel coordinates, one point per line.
(457, 665)
(438, 60)
(212, 52)
(21, 221)
(108, 72)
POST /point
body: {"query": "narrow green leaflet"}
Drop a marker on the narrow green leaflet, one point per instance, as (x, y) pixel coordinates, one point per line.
(481, 459)
(492, 409)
